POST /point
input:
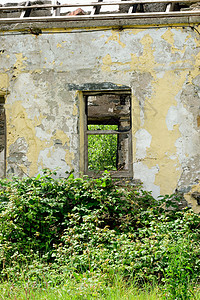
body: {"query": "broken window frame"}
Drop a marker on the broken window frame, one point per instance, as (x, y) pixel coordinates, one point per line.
(2, 108)
(128, 173)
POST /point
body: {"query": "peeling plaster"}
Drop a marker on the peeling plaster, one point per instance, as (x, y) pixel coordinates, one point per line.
(160, 65)
(147, 176)
(4, 83)
(116, 38)
(19, 65)
(143, 142)
(172, 117)
(19, 125)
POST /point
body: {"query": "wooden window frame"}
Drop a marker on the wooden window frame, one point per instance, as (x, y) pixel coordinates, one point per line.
(2, 103)
(116, 174)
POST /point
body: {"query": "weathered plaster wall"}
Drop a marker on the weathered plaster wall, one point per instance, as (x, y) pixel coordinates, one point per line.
(41, 76)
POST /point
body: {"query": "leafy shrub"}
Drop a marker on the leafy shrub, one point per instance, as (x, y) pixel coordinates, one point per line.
(75, 226)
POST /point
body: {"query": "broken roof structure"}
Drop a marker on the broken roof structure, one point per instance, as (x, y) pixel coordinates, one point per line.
(131, 73)
(129, 11)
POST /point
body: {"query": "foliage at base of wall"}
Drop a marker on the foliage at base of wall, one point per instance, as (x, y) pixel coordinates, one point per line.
(75, 226)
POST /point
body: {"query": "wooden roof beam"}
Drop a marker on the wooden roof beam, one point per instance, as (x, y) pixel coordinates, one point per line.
(26, 11)
(7, 8)
(55, 11)
(96, 9)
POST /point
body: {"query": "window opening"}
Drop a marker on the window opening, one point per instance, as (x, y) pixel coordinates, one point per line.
(102, 149)
(108, 133)
(2, 138)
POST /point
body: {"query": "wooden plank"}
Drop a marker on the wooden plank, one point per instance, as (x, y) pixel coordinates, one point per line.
(96, 4)
(114, 92)
(170, 7)
(115, 174)
(3, 138)
(103, 17)
(132, 9)
(100, 132)
(55, 11)
(26, 11)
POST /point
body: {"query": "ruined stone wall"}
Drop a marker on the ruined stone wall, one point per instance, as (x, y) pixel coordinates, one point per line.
(43, 76)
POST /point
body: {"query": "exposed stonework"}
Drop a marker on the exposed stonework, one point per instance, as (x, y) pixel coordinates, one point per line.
(156, 7)
(34, 12)
(193, 197)
(192, 7)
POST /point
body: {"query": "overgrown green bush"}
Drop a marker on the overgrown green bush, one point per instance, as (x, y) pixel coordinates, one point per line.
(75, 226)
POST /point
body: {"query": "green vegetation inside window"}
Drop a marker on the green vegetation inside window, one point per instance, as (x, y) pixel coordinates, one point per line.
(102, 149)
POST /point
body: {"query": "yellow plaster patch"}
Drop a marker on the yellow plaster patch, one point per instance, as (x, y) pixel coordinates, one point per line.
(156, 109)
(59, 45)
(19, 66)
(147, 58)
(4, 81)
(188, 37)
(116, 38)
(39, 71)
(75, 110)
(198, 121)
(174, 50)
(168, 36)
(180, 63)
(57, 30)
(134, 32)
(145, 62)
(107, 62)
(195, 71)
(20, 126)
(163, 140)
(61, 135)
(38, 120)
(68, 158)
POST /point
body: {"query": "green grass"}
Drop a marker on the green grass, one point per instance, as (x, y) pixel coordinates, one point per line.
(87, 288)
(76, 291)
